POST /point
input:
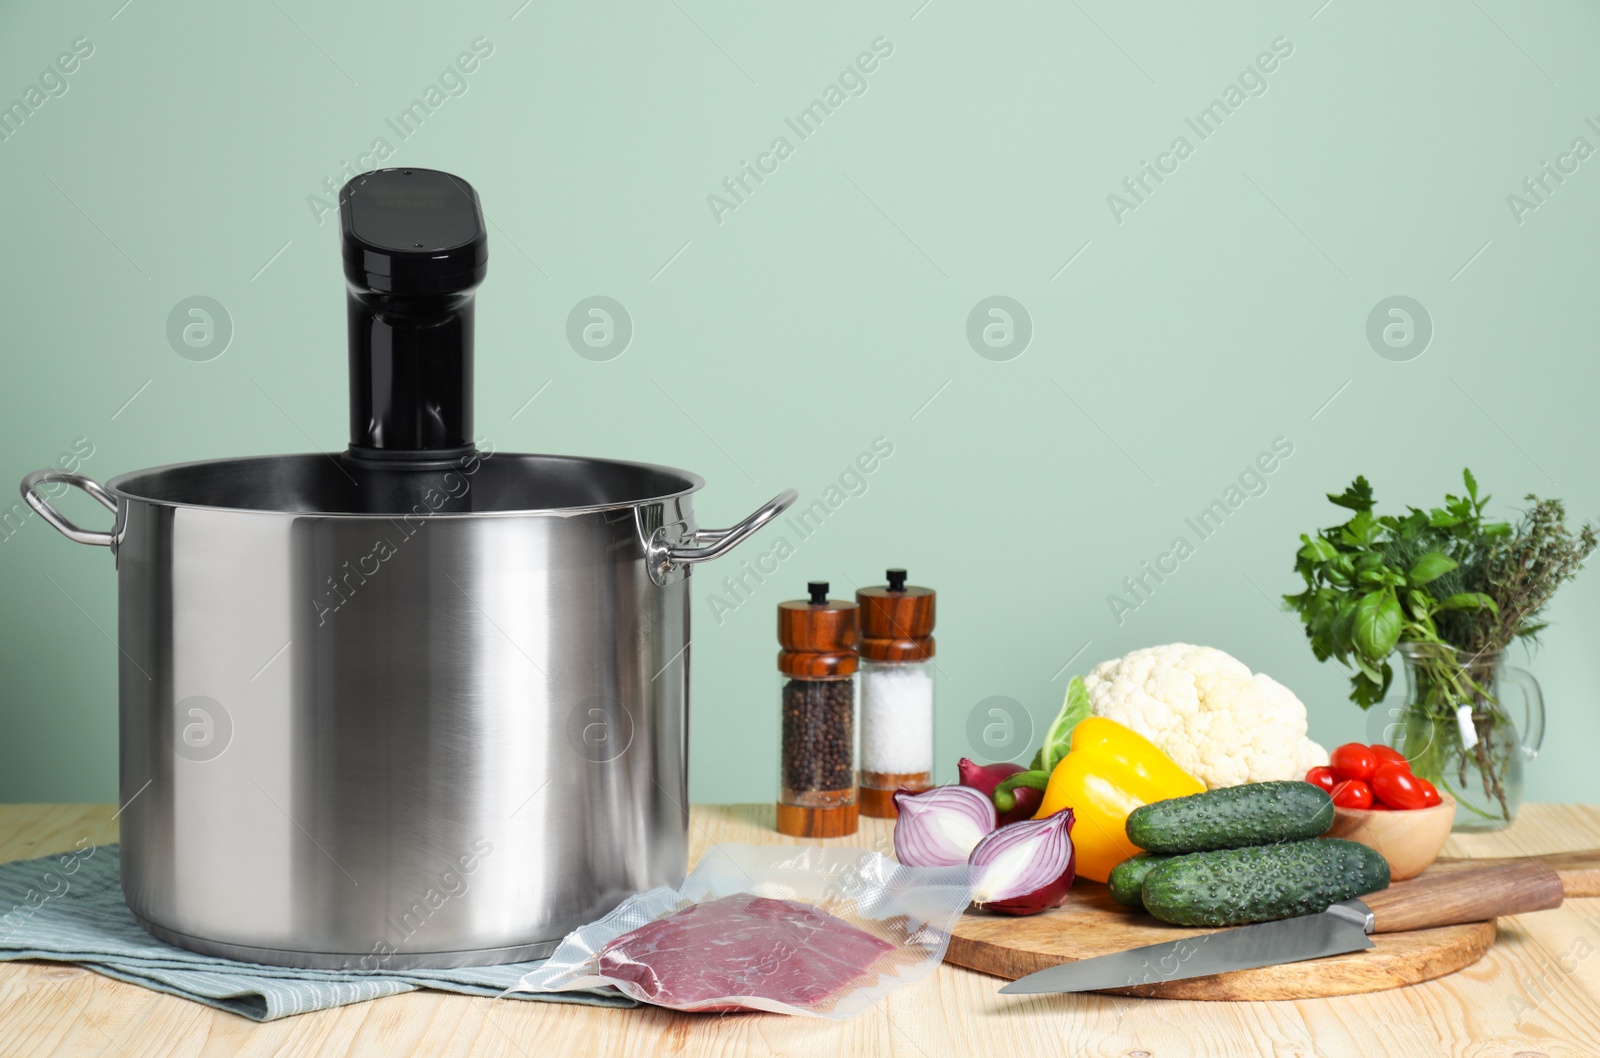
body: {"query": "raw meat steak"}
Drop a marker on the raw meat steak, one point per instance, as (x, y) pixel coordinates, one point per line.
(741, 945)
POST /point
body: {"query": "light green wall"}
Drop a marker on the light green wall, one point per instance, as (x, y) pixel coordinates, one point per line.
(831, 306)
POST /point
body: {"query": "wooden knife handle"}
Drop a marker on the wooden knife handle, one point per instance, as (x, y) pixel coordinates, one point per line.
(1472, 895)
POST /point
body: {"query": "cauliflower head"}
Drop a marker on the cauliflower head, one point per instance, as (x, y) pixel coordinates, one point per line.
(1208, 712)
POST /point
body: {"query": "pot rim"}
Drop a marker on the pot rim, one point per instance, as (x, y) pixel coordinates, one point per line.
(118, 487)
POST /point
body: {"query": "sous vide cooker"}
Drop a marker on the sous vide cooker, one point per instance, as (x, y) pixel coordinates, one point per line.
(419, 703)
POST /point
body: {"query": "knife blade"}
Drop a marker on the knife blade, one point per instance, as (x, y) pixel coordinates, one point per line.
(1341, 928)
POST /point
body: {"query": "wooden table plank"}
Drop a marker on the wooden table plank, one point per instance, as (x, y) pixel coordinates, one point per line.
(1537, 993)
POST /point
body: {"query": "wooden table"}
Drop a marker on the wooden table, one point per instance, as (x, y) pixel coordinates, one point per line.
(1536, 994)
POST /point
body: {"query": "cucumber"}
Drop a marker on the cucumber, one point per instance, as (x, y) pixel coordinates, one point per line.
(1128, 876)
(1258, 813)
(1230, 887)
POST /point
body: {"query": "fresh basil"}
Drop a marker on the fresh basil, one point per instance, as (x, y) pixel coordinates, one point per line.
(1447, 576)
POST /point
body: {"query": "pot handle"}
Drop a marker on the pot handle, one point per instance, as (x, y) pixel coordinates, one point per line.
(30, 485)
(703, 545)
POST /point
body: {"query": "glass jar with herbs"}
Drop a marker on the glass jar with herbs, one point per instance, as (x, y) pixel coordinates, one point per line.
(1461, 730)
(1448, 589)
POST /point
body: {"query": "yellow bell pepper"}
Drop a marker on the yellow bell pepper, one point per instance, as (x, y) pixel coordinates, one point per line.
(1108, 771)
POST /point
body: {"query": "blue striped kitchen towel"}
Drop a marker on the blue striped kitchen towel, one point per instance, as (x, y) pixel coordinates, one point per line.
(68, 908)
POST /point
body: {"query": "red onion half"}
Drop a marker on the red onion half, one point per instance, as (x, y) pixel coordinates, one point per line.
(1027, 867)
(940, 827)
(985, 777)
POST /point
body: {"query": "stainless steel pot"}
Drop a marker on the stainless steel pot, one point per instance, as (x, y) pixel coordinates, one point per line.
(422, 739)
(428, 712)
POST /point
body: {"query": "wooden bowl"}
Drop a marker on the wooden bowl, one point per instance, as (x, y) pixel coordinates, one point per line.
(1410, 840)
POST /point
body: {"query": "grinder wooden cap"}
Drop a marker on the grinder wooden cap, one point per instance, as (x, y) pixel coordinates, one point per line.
(818, 635)
(896, 620)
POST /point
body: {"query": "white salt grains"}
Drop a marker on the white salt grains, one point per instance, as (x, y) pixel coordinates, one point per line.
(897, 718)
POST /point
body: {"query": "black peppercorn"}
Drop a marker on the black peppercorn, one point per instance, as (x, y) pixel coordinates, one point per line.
(817, 788)
(818, 735)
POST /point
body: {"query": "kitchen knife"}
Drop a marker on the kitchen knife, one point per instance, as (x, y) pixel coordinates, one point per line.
(1427, 902)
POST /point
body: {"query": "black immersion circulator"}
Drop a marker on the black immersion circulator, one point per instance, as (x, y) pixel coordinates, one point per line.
(415, 250)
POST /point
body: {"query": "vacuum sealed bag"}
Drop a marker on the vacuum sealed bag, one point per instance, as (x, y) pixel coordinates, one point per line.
(789, 929)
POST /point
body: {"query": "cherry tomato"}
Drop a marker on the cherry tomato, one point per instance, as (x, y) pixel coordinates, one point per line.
(1352, 793)
(1322, 777)
(1379, 806)
(1395, 786)
(1388, 755)
(1430, 795)
(1353, 761)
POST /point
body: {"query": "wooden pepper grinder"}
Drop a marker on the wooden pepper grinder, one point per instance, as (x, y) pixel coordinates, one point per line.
(817, 667)
(896, 692)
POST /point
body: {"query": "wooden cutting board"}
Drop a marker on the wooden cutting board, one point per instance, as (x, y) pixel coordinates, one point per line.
(1579, 871)
(1093, 924)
